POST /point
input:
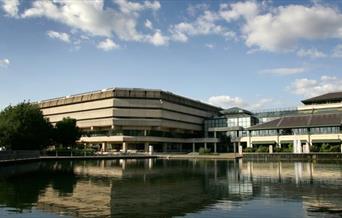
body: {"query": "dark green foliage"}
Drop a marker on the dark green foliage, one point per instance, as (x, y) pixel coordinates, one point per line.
(23, 127)
(248, 150)
(203, 151)
(330, 148)
(66, 133)
(314, 148)
(262, 149)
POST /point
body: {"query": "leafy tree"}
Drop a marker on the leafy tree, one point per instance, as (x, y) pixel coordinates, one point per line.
(66, 132)
(23, 127)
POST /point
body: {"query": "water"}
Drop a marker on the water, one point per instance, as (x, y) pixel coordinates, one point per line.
(170, 188)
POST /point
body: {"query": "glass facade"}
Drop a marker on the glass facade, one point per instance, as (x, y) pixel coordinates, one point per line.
(300, 131)
(216, 122)
(325, 130)
(270, 132)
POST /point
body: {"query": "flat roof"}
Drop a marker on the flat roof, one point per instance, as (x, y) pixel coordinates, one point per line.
(332, 96)
(302, 121)
(138, 93)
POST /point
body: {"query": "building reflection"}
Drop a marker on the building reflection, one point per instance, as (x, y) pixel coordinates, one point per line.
(164, 188)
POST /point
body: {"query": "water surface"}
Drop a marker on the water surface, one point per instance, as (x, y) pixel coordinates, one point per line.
(171, 188)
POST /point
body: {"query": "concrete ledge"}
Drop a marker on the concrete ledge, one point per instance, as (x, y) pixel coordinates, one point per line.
(100, 157)
(333, 156)
(223, 156)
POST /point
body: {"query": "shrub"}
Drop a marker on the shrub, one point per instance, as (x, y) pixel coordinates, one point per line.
(203, 151)
(248, 150)
(262, 149)
(325, 148)
(314, 148)
(335, 148)
(277, 149)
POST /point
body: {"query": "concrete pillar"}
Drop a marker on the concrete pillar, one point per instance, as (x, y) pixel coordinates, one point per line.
(146, 147)
(150, 150)
(103, 147)
(234, 147)
(214, 134)
(240, 149)
(124, 147)
(341, 148)
(270, 149)
(205, 145)
(215, 148)
(194, 147)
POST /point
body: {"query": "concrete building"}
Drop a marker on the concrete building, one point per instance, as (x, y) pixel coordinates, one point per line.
(133, 119)
(318, 121)
(130, 120)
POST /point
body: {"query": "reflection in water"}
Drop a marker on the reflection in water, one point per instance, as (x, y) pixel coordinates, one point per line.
(169, 188)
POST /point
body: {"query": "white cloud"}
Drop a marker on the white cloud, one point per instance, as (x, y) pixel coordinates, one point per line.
(337, 52)
(284, 71)
(158, 39)
(311, 53)
(4, 62)
(247, 10)
(310, 87)
(59, 35)
(210, 45)
(282, 29)
(226, 101)
(202, 25)
(107, 45)
(148, 24)
(10, 7)
(91, 16)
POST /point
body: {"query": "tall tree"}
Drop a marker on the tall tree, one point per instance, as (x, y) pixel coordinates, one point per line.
(23, 127)
(66, 132)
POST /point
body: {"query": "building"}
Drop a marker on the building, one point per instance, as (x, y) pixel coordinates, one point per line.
(318, 121)
(133, 119)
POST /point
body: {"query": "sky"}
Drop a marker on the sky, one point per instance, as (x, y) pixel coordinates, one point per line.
(252, 54)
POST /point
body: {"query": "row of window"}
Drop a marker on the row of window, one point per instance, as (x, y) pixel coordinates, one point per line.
(244, 122)
(297, 131)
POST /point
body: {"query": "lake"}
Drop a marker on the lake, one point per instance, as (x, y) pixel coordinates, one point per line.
(170, 188)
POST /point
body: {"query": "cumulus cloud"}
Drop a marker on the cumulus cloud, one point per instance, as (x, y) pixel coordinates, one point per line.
(311, 53)
(148, 24)
(281, 29)
(284, 71)
(91, 16)
(247, 10)
(10, 7)
(107, 45)
(210, 45)
(226, 101)
(158, 39)
(311, 87)
(4, 62)
(59, 35)
(337, 52)
(205, 24)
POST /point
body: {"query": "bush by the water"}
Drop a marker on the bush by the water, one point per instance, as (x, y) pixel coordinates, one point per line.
(204, 151)
(262, 149)
(70, 152)
(330, 148)
(249, 150)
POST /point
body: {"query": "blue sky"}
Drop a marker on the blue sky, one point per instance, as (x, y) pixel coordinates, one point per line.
(253, 54)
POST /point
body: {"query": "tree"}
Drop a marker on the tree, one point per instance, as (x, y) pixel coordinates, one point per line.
(66, 133)
(23, 127)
